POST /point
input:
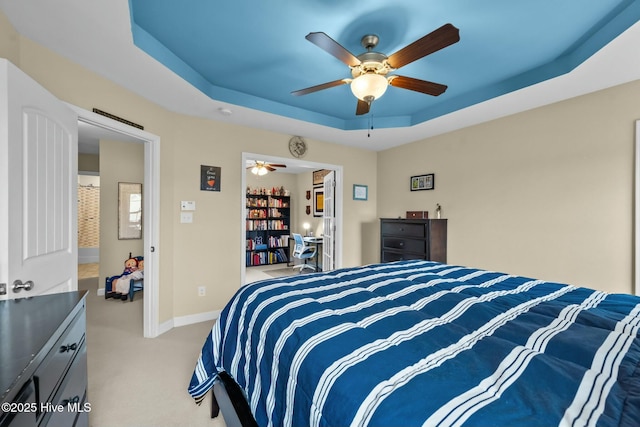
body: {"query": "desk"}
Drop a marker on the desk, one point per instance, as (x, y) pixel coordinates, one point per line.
(311, 241)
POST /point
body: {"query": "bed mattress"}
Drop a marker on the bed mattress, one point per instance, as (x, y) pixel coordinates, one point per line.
(419, 343)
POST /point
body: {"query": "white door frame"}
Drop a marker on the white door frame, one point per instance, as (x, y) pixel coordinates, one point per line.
(636, 184)
(293, 162)
(151, 215)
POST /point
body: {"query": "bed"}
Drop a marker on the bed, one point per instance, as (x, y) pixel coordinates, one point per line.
(419, 343)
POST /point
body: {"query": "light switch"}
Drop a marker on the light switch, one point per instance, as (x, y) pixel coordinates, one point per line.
(186, 217)
(188, 205)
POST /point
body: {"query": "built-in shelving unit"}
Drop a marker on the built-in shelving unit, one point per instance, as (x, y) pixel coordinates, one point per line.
(268, 222)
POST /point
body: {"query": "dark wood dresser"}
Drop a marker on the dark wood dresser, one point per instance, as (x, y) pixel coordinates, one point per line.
(43, 361)
(404, 239)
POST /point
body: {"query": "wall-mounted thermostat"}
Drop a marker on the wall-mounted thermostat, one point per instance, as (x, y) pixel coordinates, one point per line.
(188, 205)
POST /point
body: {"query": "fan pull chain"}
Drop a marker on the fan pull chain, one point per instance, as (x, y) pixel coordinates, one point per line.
(370, 126)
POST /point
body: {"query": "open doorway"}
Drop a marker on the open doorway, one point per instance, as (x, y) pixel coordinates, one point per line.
(105, 159)
(109, 129)
(296, 180)
(88, 223)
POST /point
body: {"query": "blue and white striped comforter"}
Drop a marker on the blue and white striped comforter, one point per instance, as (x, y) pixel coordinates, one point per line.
(418, 343)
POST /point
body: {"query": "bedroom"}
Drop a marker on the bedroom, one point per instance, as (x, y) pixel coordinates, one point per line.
(546, 192)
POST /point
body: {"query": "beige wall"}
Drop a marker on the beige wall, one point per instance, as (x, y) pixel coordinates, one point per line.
(209, 251)
(89, 162)
(9, 41)
(119, 162)
(546, 193)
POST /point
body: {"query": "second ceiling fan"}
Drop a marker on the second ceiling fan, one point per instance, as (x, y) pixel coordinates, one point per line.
(369, 70)
(262, 168)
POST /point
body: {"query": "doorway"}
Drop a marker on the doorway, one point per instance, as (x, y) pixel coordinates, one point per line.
(297, 166)
(88, 222)
(151, 205)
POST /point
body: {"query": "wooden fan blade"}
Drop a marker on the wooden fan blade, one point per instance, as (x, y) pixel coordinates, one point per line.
(276, 165)
(362, 107)
(417, 85)
(320, 87)
(331, 46)
(432, 42)
(269, 168)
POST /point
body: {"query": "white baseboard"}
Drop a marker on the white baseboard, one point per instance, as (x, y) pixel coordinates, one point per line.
(182, 320)
(196, 318)
(187, 320)
(165, 327)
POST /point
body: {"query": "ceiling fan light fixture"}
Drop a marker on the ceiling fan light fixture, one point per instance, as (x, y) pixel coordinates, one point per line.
(369, 86)
(259, 170)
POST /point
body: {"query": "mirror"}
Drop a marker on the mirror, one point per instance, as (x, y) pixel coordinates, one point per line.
(129, 210)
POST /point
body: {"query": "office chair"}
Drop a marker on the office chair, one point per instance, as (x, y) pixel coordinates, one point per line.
(303, 252)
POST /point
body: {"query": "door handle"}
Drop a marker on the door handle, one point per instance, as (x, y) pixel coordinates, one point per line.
(18, 285)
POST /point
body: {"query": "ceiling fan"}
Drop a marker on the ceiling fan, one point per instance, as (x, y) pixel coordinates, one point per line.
(369, 70)
(262, 168)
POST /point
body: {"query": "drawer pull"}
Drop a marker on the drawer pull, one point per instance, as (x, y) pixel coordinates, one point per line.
(74, 399)
(70, 347)
(401, 244)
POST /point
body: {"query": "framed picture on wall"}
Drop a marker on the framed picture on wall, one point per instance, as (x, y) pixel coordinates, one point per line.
(360, 192)
(422, 182)
(318, 201)
(318, 176)
(210, 178)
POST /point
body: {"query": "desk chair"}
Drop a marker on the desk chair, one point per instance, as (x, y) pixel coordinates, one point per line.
(303, 252)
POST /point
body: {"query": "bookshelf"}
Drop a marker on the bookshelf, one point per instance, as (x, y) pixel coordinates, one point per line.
(268, 220)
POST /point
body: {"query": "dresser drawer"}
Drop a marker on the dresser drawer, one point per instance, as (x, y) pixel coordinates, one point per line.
(404, 229)
(70, 398)
(53, 368)
(390, 256)
(399, 243)
(22, 411)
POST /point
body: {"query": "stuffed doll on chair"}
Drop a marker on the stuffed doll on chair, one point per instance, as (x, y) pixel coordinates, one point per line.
(117, 287)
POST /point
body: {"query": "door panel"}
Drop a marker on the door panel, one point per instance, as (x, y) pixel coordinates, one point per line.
(38, 227)
(328, 241)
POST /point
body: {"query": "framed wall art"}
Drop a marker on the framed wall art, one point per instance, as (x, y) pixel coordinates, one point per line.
(318, 201)
(360, 192)
(422, 182)
(210, 178)
(318, 176)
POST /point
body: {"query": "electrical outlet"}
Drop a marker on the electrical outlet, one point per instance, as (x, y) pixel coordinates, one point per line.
(202, 291)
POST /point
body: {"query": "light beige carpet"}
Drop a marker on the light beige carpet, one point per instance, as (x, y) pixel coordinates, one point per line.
(282, 272)
(88, 284)
(136, 381)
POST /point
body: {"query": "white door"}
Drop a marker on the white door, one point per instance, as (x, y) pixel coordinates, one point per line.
(329, 222)
(38, 173)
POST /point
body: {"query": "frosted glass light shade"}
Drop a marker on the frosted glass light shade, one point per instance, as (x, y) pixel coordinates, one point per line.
(368, 87)
(259, 170)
